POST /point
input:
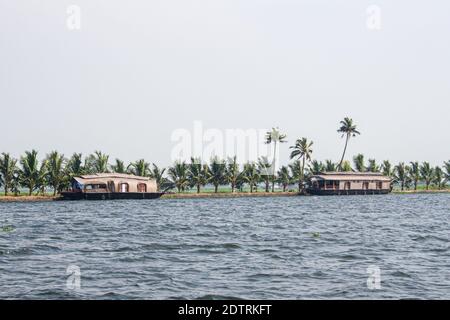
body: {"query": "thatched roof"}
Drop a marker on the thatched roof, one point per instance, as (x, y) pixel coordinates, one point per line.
(110, 176)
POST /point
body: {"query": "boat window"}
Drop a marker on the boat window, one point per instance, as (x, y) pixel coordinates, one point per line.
(379, 185)
(142, 187)
(95, 186)
(365, 185)
(124, 187)
(347, 185)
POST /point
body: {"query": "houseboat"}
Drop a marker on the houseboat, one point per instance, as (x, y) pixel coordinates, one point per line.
(347, 183)
(109, 186)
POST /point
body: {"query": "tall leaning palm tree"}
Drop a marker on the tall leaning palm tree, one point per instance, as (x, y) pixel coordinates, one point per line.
(348, 130)
(302, 150)
(8, 167)
(55, 165)
(29, 172)
(275, 136)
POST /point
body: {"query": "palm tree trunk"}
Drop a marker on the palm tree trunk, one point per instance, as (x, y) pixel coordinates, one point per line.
(273, 184)
(198, 188)
(215, 188)
(343, 154)
(302, 173)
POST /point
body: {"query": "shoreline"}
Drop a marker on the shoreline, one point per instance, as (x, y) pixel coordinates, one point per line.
(204, 195)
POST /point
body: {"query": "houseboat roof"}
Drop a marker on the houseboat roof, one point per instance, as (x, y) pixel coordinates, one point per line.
(109, 176)
(352, 176)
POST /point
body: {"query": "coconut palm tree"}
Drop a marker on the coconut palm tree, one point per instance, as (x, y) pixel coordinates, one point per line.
(348, 129)
(178, 174)
(447, 170)
(42, 180)
(251, 176)
(283, 177)
(386, 168)
(330, 166)
(316, 167)
(373, 167)
(29, 172)
(56, 173)
(139, 168)
(265, 170)
(97, 162)
(358, 162)
(439, 177)
(400, 174)
(158, 174)
(198, 174)
(8, 167)
(217, 173)
(414, 173)
(74, 166)
(427, 174)
(302, 150)
(233, 174)
(119, 167)
(346, 166)
(275, 136)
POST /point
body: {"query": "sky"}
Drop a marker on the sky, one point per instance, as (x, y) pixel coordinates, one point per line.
(123, 76)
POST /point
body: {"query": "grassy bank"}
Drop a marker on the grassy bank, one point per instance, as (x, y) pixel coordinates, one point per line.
(27, 198)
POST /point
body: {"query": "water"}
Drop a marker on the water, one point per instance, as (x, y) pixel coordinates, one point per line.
(250, 248)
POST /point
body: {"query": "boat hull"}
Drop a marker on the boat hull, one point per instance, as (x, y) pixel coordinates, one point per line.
(345, 192)
(110, 195)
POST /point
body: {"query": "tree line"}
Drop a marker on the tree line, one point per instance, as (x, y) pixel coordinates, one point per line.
(56, 171)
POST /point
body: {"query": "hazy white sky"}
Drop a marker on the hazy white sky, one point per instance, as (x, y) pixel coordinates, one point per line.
(138, 70)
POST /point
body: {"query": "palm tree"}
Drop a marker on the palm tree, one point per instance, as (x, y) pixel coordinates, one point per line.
(42, 180)
(118, 167)
(447, 170)
(414, 173)
(358, 161)
(373, 167)
(198, 174)
(330, 166)
(274, 136)
(7, 170)
(179, 175)
(439, 177)
(386, 168)
(316, 167)
(97, 162)
(233, 174)
(302, 149)
(251, 175)
(400, 174)
(346, 166)
(158, 174)
(348, 129)
(139, 168)
(283, 177)
(74, 166)
(427, 174)
(55, 170)
(29, 172)
(217, 173)
(265, 169)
